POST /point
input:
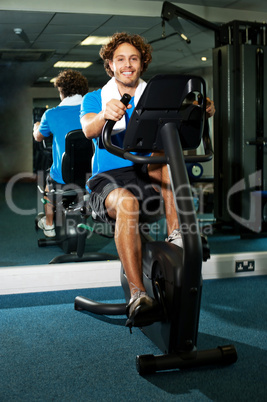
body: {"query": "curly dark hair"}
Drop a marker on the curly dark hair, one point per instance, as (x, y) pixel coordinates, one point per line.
(107, 51)
(71, 82)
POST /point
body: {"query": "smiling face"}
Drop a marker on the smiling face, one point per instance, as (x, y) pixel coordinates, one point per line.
(126, 66)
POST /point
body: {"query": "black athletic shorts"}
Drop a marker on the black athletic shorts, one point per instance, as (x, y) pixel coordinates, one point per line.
(52, 184)
(135, 179)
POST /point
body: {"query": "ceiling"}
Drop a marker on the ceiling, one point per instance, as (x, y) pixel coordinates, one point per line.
(50, 36)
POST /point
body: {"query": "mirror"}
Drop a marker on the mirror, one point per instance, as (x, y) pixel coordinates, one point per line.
(27, 65)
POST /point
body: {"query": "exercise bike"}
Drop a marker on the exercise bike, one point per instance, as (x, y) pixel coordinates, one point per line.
(165, 120)
(71, 206)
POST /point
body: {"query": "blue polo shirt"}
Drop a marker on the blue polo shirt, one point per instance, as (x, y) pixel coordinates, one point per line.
(59, 121)
(104, 160)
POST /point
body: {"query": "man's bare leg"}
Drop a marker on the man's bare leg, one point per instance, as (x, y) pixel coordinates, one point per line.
(159, 175)
(124, 208)
(49, 210)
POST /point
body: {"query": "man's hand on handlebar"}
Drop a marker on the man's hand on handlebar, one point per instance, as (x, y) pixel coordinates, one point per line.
(210, 108)
(115, 110)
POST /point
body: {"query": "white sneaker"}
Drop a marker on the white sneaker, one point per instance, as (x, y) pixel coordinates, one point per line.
(175, 238)
(49, 230)
(138, 298)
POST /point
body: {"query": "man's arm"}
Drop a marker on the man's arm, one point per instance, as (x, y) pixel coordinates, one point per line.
(36, 133)
(92, 123)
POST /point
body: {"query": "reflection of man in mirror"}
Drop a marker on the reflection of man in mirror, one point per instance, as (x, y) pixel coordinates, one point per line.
(72, 86)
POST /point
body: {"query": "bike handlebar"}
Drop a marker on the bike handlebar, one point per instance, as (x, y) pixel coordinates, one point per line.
(115, 150)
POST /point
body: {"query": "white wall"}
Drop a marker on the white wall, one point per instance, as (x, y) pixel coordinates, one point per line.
(16, 125)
